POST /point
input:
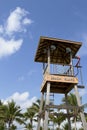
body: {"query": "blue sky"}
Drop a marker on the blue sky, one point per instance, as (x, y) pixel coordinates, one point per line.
(22, 22)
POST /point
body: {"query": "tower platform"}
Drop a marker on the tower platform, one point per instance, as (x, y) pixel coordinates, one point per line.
(59, 83)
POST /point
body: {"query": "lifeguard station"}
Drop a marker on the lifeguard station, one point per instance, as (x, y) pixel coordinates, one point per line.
(60, 76)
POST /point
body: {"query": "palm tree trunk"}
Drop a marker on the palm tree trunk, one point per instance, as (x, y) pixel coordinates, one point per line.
(75, 123)
(9, 124)
(58, 127)
(31, 122)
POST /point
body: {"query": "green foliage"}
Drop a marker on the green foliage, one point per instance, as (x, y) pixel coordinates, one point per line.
(12, 112)
(65, 126)
(71, 99)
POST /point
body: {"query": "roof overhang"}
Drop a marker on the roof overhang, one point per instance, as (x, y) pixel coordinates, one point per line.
(58, 55)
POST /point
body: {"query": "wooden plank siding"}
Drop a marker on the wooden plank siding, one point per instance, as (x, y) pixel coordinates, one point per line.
(59, 84)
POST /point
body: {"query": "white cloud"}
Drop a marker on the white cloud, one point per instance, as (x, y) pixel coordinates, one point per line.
(17, 20)
(27, 21)
(1, 29)
(15, 23)
(8, 47)
(21, 78)
(21, 99)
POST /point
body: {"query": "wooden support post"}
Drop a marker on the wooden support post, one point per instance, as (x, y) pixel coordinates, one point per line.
(47, 111)
(79, 104)
(48, 94)
(48, 60)
(41, 105)
(69, 128)
(71, 64)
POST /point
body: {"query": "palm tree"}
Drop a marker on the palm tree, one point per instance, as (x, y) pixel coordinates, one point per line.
(65, 126)
(13, 113)
(81, 129)
(1, 111)
(29, 117)
(2, 116)
(72, 101)
(32, 114)
(13, 127)
(28, 126)
(57, 119)
(36, 107)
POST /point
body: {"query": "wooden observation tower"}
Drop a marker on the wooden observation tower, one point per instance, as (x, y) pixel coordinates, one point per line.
(60, 76)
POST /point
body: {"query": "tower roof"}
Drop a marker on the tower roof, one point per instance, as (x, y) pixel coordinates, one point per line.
(58, 50)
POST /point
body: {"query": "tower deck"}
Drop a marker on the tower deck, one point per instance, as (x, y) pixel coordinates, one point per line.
(59, 83)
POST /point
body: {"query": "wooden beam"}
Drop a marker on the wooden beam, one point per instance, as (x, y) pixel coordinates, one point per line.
(63, 107)
(64, 114)
(63, 79)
